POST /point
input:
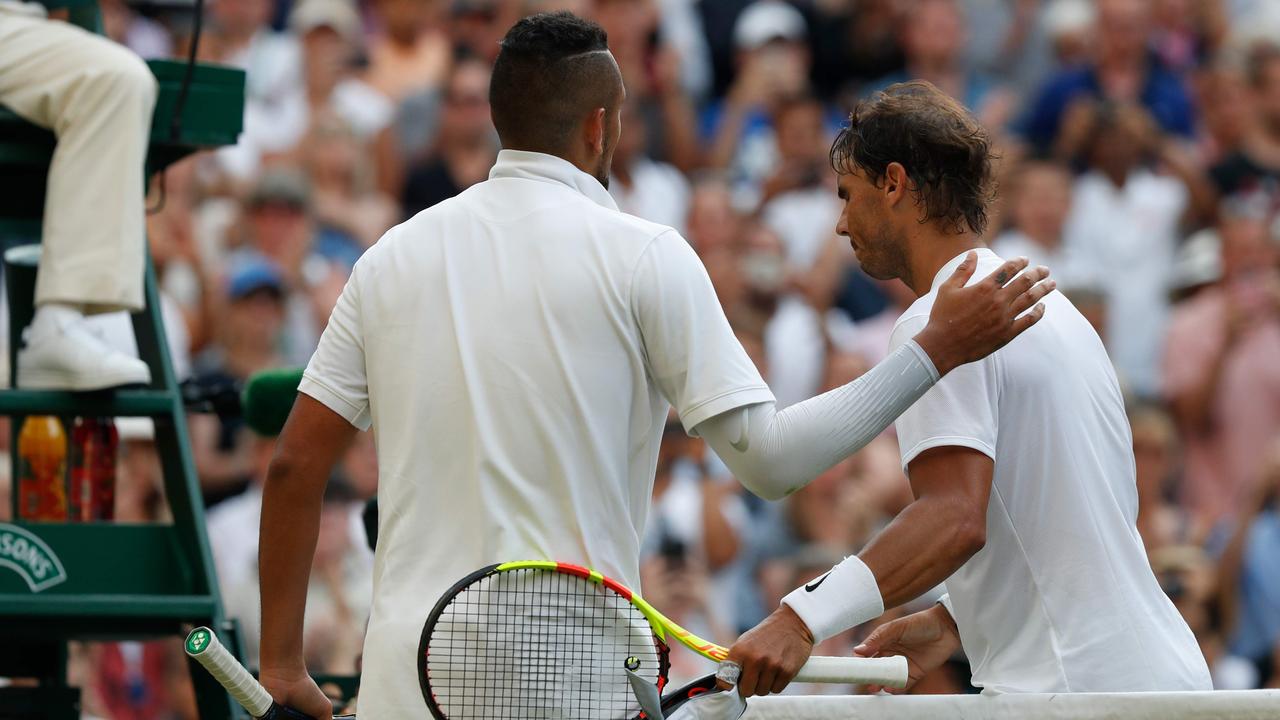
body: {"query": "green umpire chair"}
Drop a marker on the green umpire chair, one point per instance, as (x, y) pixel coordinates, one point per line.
(107, 581)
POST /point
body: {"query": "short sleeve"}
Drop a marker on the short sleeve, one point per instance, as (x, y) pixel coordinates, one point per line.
(960, 410)
(336, 375)
(691, 353)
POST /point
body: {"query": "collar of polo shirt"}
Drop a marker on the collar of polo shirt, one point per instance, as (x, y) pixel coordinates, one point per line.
(549, 168)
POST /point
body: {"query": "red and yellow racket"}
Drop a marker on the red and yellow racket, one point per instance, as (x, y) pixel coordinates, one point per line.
(555, 639)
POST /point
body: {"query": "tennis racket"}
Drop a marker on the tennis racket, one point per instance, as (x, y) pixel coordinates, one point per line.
(203, 645)
(538, 639)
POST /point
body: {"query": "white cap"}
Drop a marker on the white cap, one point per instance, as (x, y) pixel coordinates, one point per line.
(340, 15)
(767, 20)
(1198, 262)
(1068, 16)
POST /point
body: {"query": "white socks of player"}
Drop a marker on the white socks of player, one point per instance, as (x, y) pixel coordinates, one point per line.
(61, 352)
(830, 604)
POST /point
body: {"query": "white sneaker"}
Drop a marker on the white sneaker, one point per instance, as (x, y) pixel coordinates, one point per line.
(64, 354)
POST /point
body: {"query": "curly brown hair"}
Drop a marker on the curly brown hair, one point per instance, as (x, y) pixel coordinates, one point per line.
(946, 153)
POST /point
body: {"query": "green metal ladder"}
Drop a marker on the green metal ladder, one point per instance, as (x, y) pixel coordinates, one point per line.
(117, 581)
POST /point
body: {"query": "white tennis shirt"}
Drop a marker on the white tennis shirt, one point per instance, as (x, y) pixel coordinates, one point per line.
(515, 350)
(1061, 599)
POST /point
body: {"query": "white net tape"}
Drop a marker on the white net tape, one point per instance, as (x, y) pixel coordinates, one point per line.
(1220, 705)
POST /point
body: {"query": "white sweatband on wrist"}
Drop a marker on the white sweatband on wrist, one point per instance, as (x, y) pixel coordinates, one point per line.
(945, 602)
(846, 596)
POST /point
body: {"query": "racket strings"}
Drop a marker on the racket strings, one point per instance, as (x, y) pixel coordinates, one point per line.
(540, 645)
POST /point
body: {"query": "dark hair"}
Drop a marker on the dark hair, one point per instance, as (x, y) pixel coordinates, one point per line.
(946, 153)
(552, 68)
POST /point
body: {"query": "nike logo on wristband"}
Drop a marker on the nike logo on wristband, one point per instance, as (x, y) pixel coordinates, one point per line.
(814, 585)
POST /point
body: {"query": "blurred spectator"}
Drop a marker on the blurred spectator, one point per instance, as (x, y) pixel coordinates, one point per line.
(1250, 573)
(146, 37)
(854, 42)
(1161, 521)
(1039, 198)
(1255, 164)
(280, 229)
(330, 34)
(465, 147)
(1068, 25)
(1221, 377)
(350, 212)
(1186, 32)
(933, 41)
(1228, 115)
(248, 337)
(653, 190)
(1120, 72)
(798, 199)
(275, 109)
(772, 62)
(341, 577)
(410, 54)
(1125, 220)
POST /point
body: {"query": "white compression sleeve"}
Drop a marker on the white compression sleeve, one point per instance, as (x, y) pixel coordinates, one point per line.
(776, 453)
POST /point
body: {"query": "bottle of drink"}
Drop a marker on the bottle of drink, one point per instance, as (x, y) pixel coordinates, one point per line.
(94, 442)
(42, 463)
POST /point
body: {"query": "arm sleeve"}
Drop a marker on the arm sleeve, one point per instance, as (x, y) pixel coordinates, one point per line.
(776, 453)
(691, 353)
(960, 411)
(336, 374)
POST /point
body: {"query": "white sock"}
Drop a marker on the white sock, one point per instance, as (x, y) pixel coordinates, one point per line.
(51, 317)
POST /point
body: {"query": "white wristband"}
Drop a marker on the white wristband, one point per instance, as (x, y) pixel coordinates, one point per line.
(830, 604)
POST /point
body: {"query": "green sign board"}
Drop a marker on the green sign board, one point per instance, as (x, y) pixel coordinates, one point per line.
(23, 552)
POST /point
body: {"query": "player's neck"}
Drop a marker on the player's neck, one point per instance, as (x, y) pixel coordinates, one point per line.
(930, 250)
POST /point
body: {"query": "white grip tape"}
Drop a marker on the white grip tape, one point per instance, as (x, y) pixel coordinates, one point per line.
(890, 671)
(203, 645)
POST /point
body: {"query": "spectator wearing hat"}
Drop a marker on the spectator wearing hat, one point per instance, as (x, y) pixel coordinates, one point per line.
(248, 340)
(773, 62)
(1220, 371)
(331, 37)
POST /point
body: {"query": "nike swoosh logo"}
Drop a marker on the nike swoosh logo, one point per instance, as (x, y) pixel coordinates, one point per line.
(814, 585)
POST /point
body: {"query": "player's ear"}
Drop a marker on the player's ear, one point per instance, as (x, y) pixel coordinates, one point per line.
(593, 131)
(894, 184)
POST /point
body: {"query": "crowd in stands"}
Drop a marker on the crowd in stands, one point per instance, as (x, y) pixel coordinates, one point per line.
(1139, 158)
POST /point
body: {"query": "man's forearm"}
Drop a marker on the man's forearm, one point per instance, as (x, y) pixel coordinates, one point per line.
(290, 524)
(922, 547)
(776, 453)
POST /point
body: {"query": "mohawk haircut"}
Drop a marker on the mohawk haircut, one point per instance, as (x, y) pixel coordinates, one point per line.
(552, 70)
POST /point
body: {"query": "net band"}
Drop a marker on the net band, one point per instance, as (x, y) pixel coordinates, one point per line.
(1218, 705)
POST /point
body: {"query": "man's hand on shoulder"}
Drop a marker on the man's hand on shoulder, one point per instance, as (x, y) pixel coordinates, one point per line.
(970, 323)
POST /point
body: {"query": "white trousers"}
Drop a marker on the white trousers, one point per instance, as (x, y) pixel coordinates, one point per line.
(97, 97)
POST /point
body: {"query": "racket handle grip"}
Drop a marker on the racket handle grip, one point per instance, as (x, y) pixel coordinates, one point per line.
(890, 671)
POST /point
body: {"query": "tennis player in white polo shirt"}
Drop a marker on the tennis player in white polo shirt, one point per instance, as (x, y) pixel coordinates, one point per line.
(516, 349)
(1021, 464)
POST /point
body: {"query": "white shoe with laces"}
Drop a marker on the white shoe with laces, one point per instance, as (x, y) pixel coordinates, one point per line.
(61, 352)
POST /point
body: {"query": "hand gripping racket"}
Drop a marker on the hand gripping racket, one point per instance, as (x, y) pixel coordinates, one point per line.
(556, 640)
(203, 645)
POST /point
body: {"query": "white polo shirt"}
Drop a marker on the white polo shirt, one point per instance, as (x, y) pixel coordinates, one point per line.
(515, 349)
(1061, 599)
